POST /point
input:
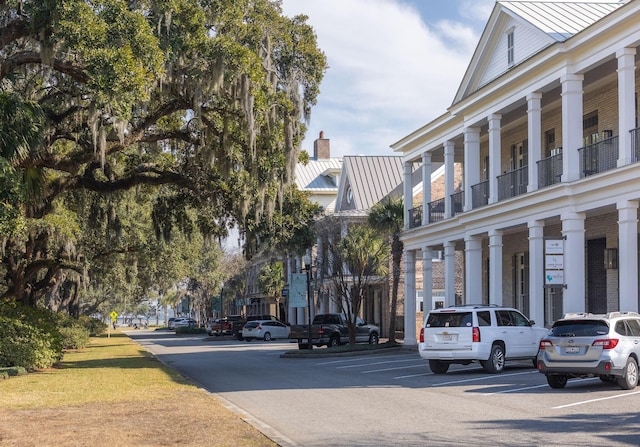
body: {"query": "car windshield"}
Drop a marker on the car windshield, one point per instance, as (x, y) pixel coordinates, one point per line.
(454, 319)
(251, 324)
(586, 328)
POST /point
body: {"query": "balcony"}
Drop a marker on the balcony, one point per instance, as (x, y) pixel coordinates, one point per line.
(436, 210)
(457, 202)
(415, 217)
(550, 170)
(598, 157)
(513, 183)
(635, 145)
(480, 194)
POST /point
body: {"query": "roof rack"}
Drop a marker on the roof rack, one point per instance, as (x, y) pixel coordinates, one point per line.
(475, 306)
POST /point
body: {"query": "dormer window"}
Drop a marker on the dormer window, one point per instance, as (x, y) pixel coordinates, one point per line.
(510, 47)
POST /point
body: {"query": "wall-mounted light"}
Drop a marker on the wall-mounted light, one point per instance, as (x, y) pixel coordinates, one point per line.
(611, 258)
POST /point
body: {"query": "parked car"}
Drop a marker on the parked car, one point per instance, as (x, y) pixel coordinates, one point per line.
(184, 322)
(219, 326)
(170, 323)
(592, 345)
(332, 330)
(488, 334)
(265, 330)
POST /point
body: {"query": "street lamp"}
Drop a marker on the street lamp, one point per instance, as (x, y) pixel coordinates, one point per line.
(307, 267)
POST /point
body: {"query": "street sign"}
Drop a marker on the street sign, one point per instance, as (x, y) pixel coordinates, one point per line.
(298, 290)
(113, 315)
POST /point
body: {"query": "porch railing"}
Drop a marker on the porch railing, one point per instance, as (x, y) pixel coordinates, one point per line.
(457, 202)
(599, 157)
(415, 217)
(635, 145)
(550, 170)
(513, 183)
(436, 210)
(480, 194)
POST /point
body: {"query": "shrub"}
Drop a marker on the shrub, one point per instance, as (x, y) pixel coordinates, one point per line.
(190, 330)
(74, 337)
(95, 326)
(29, 337)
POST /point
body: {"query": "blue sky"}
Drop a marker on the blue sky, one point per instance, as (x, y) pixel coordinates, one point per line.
(394, 65)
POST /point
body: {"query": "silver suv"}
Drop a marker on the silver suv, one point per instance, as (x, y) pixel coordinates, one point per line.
(488, 334)
(590, 345)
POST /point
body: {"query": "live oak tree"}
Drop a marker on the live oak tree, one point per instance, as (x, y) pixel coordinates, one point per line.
(194, 107)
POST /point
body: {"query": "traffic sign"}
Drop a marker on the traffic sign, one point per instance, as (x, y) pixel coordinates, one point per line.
(113, 315)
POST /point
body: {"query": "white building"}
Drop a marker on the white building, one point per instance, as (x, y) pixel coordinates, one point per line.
(544, 125)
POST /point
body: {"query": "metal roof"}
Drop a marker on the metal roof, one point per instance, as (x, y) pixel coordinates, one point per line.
(560, 19)
(314, 176)
(372, 177)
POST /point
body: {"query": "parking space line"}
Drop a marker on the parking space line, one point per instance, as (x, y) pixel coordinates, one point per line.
(476, 379)
(356, 359)
(595, 400)
(413, 375)
(392, 369)
(516, 389)
(360, 365)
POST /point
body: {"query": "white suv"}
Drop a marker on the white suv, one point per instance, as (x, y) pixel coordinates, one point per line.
(488, 334)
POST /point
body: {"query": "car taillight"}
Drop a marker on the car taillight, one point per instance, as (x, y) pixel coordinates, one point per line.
(320, 330)
(475, 335)
(545, 344)
(422, 335)
(606, 343)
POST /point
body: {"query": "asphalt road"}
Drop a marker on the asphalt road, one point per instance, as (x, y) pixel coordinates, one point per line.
(393, 399)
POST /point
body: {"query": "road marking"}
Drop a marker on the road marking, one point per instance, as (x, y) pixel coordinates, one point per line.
(516, 389)
(484, 378)
(391, 369)
(377, 363)
(595, 400)
(413, 375)
(359, 359)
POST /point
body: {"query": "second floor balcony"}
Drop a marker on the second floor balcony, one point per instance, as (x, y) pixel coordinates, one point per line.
(599, 157)
(514, 183)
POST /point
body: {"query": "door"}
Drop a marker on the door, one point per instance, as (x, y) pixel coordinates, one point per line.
(596, 277)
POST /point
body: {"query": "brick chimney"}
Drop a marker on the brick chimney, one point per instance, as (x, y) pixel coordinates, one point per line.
(321, 148)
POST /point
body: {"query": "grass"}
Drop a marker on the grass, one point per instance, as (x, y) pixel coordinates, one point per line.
(115, 393)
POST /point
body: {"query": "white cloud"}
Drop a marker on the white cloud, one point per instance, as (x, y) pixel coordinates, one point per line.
(388, 72)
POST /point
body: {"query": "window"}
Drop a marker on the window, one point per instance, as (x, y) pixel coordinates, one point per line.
(510, 48)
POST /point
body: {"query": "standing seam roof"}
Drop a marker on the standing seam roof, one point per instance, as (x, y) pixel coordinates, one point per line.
(561, 20)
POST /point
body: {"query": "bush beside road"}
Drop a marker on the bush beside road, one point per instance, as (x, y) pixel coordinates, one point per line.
(114, 393)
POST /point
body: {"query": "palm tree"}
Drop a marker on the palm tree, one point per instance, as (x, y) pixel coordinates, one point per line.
(387, 217)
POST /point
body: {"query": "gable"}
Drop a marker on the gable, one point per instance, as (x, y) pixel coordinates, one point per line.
(535, 25)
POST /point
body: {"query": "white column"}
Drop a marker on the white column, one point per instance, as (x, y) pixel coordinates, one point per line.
(628, 255)
(495, 148)
(536, 271)
(471, 163)
(449, 177)
(408, 194)
(473, 270)
(534, 113)
(571, 125)
(427, 279)
(449, 273)
(410, 338)
(626, 103)
(426, 186)
(495, 267)
(574, 262)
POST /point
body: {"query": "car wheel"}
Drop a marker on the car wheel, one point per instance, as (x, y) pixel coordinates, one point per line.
(438, 367)
(267, 336)
(495, 364)
(333, 341)
(557, 380)
(630, 379)
(374, 339)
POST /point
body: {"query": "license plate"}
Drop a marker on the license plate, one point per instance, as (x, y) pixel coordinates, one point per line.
(572, 349)
(447, 337)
